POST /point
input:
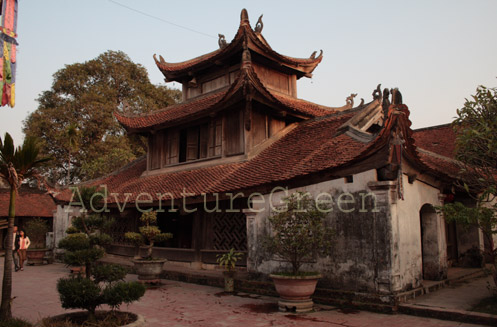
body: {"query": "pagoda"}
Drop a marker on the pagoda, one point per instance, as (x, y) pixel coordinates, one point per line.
(219, 162)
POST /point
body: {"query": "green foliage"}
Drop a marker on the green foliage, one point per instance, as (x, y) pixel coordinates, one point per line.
(103, 284)
(476, 126)
(75, 242)
(476, 147)
(149, 233)
(83, 293)
(72, 230)
(134, 238)
(75, 118)
(109, 273)
(299, 233)
(79, 292)
(123, 293)
(467, 216)
(228, 260)
(83, 257)
(36, 229)
(149, 218)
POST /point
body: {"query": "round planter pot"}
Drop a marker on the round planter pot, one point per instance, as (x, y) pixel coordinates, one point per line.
(149, 270)
(35, 256)
(139, 321)
(295, 291)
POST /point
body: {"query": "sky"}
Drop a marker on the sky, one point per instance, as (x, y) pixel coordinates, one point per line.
(435, 52)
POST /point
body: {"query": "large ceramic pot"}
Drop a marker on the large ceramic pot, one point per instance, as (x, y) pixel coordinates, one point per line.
(149, 270)
(35, 256)
(138, 322)
(295, 291)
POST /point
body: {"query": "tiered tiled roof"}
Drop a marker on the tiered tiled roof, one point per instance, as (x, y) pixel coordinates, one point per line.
(29, 203)
(245, 37)
(314, 146)
(199, 106)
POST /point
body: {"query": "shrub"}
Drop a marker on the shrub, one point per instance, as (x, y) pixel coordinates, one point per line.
(36, 230)
(102, 284)
(299, 232)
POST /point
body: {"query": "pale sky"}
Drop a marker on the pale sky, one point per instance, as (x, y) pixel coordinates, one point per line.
(435, 52)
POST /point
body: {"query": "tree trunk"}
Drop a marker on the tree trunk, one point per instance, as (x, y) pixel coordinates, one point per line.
(149, 250)
(5, 308)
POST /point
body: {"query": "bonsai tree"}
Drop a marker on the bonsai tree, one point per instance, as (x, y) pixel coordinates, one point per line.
(149, 233)
(37, 229)
(299, 232)
(105, 286)
(102, 284)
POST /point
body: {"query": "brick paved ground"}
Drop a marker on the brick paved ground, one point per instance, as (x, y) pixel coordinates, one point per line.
(182, 304)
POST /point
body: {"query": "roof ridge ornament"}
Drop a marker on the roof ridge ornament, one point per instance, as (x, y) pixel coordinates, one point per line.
(244, 19)
(377, 92)
(313, 55)
(222, 41)
(259, 26)
(161, 61)
(396, 96)
(350, 100)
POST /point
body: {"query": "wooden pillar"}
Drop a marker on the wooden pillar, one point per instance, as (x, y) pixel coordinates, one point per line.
(197, 238)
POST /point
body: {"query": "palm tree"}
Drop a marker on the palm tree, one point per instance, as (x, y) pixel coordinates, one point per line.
(16, 164)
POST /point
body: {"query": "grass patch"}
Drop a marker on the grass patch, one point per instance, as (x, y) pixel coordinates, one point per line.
(487, 305)
(15, 322)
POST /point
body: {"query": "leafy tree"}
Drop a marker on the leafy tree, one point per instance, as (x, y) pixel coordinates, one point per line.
(16, 165)
(75, 121)
(476, 148)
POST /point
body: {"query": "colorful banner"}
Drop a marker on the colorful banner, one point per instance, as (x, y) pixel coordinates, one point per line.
(8, 43)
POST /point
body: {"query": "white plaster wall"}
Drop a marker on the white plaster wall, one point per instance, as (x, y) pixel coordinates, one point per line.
(352, 267)
(62, 220)
(406, 229)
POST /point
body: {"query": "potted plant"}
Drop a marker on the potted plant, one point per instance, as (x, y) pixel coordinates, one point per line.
(36, 230)
(228, 261)
(148, 268)
(299, 234)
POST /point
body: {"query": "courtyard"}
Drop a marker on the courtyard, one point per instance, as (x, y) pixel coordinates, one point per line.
(182, 304)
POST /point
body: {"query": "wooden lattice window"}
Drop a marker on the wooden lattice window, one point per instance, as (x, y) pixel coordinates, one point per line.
(230, 231)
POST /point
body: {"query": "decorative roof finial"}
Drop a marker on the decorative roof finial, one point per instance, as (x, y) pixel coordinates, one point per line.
(396, 96)
(259, 26)
(222, 41)
(350, 99)
(313, 55)
(377, 92)
(244, 19)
